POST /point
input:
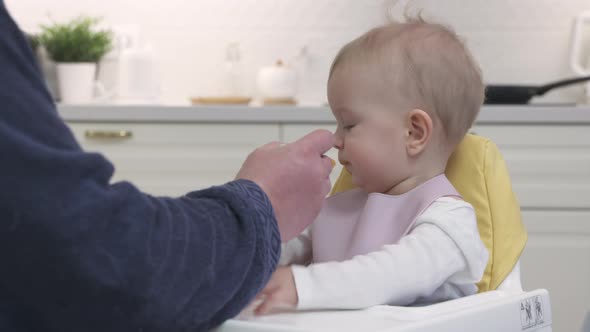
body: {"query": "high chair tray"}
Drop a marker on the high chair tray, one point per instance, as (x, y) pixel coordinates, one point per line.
(487, 312)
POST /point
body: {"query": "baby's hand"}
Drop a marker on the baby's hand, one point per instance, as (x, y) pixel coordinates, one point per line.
(280, 292)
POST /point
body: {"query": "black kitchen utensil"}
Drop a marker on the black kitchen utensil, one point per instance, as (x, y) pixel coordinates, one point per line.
(522, 94)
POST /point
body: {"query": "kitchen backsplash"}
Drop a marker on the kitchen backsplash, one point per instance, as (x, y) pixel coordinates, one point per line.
(524, 41)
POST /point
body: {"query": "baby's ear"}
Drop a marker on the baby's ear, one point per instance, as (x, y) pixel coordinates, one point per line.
(418, 131)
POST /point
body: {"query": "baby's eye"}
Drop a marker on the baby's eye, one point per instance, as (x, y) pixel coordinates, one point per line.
(348, 127)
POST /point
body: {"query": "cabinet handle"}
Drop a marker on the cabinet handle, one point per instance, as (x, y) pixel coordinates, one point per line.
(100, 134)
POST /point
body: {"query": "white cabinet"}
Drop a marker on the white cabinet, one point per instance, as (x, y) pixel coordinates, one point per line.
(557, 257)
(550, 170)
(173, 159)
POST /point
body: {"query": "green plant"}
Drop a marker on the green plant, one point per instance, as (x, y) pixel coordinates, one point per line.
(76, 41)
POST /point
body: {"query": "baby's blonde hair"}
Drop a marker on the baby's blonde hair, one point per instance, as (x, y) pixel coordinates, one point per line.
(430, 67)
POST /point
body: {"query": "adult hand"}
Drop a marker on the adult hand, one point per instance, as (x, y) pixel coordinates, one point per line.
(295, 177)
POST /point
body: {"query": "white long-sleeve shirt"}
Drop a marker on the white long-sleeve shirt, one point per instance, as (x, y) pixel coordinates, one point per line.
(441, 258)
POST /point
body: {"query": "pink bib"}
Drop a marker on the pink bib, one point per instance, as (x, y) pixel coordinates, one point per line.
(356, 223)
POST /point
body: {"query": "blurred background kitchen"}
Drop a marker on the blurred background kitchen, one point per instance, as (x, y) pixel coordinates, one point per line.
(525, 42)
(270, 59)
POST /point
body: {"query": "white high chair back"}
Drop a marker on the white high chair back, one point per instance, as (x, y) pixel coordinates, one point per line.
(512, 282)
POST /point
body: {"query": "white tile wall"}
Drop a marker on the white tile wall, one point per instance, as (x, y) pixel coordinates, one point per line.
(524, 41)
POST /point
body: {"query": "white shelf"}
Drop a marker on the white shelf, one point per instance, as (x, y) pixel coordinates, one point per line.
(505, 114)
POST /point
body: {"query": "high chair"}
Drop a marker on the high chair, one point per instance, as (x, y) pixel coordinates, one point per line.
(479, 173)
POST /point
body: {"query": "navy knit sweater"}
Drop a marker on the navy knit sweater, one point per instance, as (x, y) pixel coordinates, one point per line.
(78, 253)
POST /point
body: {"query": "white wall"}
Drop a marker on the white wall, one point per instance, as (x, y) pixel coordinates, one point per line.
(524, 41)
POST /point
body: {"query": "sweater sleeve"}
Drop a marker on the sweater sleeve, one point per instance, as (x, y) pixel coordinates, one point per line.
(81, 253)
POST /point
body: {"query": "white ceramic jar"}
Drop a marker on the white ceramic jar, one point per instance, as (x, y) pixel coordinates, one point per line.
(278, 82)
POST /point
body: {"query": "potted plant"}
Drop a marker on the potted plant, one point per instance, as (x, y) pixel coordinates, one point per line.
(76, 47)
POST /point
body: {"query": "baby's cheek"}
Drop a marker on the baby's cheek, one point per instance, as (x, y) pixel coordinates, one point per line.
(359, 180)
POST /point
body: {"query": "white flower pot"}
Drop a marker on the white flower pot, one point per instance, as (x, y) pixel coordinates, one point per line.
(77, 82)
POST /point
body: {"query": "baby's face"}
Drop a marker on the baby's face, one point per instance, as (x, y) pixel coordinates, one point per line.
(371, 133)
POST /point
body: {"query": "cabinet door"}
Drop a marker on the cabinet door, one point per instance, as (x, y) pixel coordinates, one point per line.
(173, 159)
(293, 132)
(550, 170)
(557, 257)
(549, 165)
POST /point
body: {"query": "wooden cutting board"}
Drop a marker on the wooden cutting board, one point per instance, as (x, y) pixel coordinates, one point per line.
(221, 100)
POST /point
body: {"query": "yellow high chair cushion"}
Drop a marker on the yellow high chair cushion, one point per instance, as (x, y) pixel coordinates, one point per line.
(479, 173)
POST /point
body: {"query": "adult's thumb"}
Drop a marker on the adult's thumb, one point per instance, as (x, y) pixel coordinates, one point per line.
(320, 141)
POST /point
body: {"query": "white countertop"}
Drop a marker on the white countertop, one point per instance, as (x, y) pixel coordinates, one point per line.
(505, 114)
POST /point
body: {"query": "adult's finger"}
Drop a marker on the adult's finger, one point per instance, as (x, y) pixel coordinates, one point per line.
(271, 145)
(320, 140)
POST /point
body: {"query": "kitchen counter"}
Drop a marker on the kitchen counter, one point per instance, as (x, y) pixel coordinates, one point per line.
(504, 114)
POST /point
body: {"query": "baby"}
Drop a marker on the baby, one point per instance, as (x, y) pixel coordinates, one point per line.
(404, 95)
